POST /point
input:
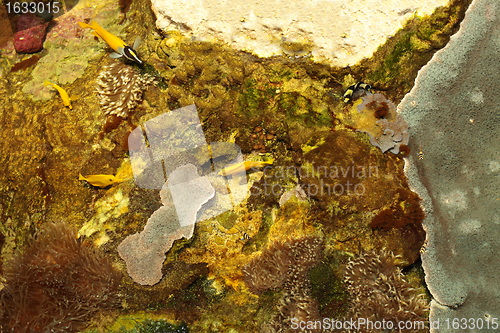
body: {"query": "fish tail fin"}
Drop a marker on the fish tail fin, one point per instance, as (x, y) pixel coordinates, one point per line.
(84, 25)
(81, 177)
(137, 42)
(47, 83)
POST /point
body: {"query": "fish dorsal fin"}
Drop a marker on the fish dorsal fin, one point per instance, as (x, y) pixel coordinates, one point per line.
(95, 25)
(95, 34)
(137, 42)
(84, 25)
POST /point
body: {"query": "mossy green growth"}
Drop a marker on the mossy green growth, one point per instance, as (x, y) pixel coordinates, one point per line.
(395, 65)
(227, 219)
(328, 289)
(155, 326)
(62, 65)
(252, 101)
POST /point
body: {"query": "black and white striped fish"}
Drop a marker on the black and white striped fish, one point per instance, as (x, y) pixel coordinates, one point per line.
(352, 89)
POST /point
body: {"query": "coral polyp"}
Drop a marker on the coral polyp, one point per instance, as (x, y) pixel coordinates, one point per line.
(120, 88)
(379, 291)
(56, 284)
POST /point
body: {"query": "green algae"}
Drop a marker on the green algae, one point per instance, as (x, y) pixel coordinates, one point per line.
(394, 66)
(328, 288)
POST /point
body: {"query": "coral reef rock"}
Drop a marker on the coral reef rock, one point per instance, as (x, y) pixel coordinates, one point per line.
(297, 28)
(453, 114)
(297, 191)
(144, 252)
(121, 88)
(30, 34)
(56, 284)
(379, 291)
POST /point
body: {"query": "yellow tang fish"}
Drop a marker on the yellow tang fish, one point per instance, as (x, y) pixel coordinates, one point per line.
(62, 93)
(239, 167)
(116, 43)
(101, 180)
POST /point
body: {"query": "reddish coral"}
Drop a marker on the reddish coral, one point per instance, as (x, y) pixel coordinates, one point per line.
(30, 34)
(380, 109)
(404, 150)
(56, 284)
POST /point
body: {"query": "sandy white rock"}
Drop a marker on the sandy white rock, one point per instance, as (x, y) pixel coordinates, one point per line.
(339, 32)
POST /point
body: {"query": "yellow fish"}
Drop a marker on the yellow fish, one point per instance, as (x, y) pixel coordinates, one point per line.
(101, 180)
(239, 167)
(121, 48)
(62, 93)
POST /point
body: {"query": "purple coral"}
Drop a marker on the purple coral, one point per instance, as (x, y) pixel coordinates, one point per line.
(394, 134)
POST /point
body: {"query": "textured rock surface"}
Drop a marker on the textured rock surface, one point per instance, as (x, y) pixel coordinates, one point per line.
(338, 32)
(453, 114)
(30, 34)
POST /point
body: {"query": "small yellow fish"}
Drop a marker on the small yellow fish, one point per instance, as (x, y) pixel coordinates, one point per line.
(101, 180)
(64, 95)
(239, 167)
(121, 48)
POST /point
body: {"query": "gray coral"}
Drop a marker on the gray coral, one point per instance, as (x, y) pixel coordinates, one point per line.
(121, 88)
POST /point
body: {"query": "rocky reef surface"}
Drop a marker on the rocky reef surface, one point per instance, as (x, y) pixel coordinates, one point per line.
(297, 28)
(454, 103)
(353, 199)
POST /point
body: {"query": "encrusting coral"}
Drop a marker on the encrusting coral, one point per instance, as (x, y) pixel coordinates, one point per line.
(56, 284)
(121, 88)
(287, 265)
(379, 291)
(377, 116)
